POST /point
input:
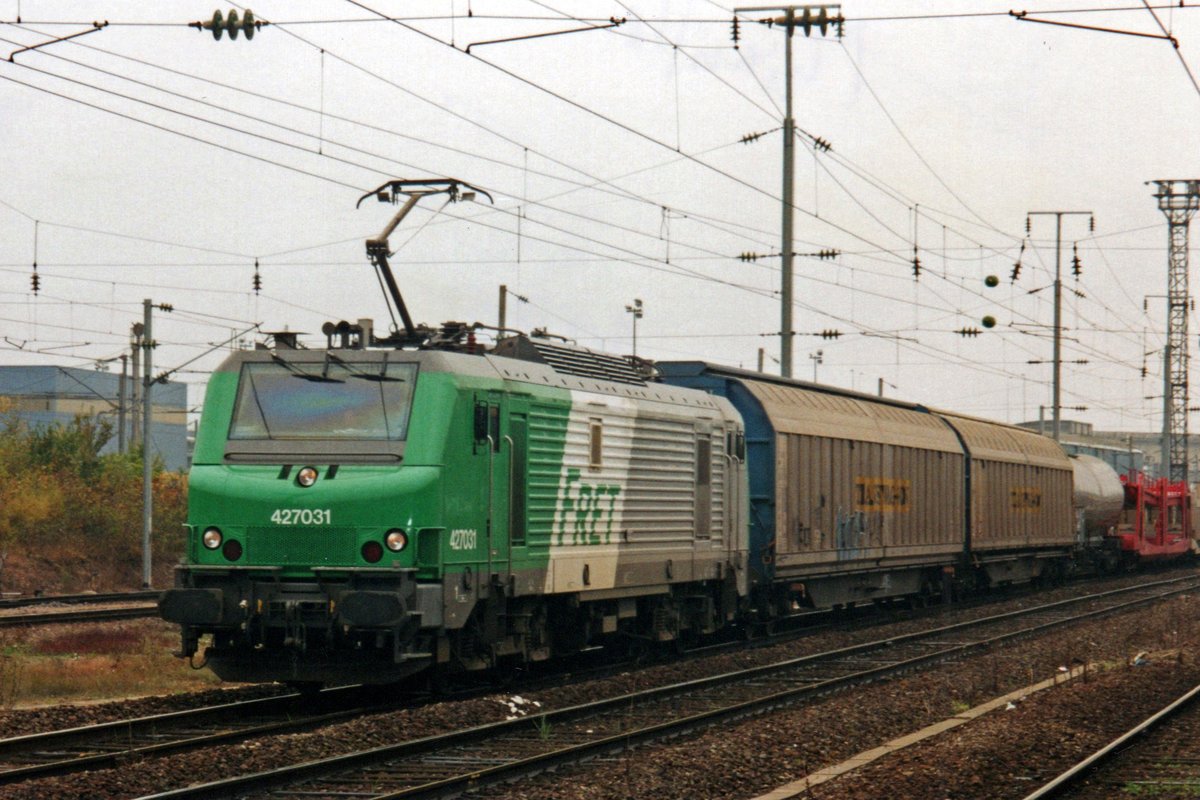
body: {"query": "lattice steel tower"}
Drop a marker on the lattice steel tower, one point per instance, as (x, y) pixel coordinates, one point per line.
(1178, 200)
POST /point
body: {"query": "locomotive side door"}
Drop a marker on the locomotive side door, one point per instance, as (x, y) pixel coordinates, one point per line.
(506, 438)
(515, 452)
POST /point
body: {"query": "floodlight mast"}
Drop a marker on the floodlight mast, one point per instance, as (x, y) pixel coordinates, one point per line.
(378, 250)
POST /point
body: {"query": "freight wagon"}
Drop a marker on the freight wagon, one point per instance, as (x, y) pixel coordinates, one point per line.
(856, 498)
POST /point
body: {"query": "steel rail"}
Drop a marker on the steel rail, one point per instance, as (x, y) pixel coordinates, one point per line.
(39, 755)
(78, 599)
(1073, 776)
(763, 684)
(77, 615)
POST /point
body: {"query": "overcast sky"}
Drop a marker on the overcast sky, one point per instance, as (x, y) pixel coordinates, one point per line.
(146, 160)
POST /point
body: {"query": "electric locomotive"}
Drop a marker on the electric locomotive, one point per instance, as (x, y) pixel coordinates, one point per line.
(358, 515)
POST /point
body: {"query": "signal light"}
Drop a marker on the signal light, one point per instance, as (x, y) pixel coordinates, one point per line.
(372, 552)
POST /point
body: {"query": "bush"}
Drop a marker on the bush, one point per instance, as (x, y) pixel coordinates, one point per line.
(71, 518)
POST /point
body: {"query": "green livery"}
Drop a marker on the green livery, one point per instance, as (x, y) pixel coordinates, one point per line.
(362, 515)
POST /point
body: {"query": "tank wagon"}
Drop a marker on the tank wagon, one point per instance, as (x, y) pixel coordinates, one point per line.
(361, 515)
(857, 498)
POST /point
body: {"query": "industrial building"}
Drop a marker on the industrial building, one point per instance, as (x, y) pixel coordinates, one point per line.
(47, 395)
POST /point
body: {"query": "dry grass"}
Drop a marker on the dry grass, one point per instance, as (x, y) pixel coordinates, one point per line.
(80, 663)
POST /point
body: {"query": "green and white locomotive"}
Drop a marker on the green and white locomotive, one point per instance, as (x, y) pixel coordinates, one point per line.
(360, 514)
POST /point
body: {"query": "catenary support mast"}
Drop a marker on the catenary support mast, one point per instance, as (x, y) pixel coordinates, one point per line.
(1178, 200)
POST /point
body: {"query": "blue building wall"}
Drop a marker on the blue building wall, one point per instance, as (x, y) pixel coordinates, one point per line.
(45, 395)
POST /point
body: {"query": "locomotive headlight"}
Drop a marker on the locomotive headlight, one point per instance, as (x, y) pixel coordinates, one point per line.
(396, 540)
(212, 538)
(307, 476)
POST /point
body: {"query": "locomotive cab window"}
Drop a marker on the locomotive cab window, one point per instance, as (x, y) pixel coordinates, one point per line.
(284, 400)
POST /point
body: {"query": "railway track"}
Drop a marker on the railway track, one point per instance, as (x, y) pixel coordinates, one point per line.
(107, 744)
(140, 611)
(1160, 757)
(472, 759)
(78, 599)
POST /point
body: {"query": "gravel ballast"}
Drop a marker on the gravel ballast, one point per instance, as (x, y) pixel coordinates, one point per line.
(752, 757)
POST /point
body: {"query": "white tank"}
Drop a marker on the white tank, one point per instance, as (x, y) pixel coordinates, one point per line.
(1099, 495)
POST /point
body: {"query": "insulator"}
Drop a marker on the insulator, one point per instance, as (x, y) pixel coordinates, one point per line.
(1028, 226)
(1091, 224)
(916, 262)
(830, 333)
(257, 278)
(168, 307)
(968, 332)
(35, 280)
(806, 21)
(737, 33)
(1016, 272)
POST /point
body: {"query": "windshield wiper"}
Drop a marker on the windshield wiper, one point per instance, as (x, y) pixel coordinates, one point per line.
(258, 402)
(299, 373)
(368, 376)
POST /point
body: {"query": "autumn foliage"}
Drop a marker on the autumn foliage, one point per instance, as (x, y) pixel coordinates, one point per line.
(71, 518)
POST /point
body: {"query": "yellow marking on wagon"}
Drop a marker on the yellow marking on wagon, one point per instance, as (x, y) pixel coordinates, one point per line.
(882, 494)
(1025, 498)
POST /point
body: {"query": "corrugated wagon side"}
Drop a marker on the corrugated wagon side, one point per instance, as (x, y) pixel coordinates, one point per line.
(853, 498)
(1022, 517)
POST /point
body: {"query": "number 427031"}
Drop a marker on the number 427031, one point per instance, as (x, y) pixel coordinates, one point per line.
(302, 516)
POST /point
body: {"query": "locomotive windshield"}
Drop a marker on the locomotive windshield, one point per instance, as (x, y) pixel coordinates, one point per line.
(283, 400)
